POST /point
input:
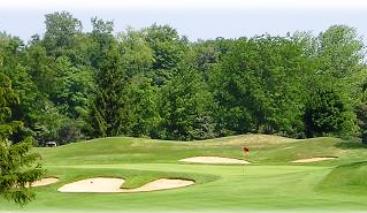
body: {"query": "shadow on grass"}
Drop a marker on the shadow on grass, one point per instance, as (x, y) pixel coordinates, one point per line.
(351, 144)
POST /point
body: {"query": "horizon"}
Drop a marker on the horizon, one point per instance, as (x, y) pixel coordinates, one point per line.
(220, 19)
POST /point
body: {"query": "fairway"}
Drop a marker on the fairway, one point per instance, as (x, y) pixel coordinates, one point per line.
(270, 182)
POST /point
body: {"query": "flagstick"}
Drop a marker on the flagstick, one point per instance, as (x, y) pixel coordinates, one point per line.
(244, 165)
(245, 153)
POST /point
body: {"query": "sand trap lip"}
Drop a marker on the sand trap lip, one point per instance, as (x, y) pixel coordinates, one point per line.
(213, 160)
(310, 160)
(45, 181)
(112, 185)
(162, 184)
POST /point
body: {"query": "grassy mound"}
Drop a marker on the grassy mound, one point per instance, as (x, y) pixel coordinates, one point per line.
(264, 149)
(350, 178)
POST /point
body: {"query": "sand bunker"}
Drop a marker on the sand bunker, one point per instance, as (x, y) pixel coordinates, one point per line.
(112, 185)
(94, 185)
(310, 160)
(214, 160)
(45, 181)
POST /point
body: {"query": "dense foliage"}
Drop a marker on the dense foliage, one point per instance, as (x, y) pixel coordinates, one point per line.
(155, 83)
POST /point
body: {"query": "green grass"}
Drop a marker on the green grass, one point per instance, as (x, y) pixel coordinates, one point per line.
(271, 182)
(350, 178)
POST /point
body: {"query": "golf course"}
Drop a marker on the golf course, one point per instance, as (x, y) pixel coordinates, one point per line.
(276, 177)
(183, 106)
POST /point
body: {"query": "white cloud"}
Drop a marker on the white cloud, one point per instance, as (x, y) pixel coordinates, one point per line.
(183, 4)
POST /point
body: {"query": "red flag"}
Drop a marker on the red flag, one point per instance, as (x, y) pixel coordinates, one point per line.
(245, 149)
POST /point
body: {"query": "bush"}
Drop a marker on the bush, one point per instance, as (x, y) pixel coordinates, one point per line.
(69, 132)
(326, 113)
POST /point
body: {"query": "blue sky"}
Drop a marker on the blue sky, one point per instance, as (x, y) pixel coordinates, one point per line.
(194, 18)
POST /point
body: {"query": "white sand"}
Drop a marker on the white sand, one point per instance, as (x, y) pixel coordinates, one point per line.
(310, 160)
(45, 181)
(214, 160)
(94, 185)
(112, 185)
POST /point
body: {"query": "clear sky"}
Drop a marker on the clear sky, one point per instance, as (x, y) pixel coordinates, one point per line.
(193, 18)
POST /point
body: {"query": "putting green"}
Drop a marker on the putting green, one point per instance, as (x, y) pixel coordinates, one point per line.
(270, 182)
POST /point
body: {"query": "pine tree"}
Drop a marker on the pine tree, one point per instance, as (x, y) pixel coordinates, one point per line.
(18, 167)
(106, 111)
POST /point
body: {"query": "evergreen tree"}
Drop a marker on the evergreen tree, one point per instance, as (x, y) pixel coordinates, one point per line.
(106, 112)
(107, 106)
(18, 166)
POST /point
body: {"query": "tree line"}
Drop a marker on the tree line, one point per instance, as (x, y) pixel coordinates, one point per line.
(69, 85)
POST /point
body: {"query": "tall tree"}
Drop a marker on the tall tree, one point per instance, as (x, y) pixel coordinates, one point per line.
(341, 70)
(340, 52)
(106, 112)
(141, 107)
(61, 29)
(327, 112)
(208, 53)
(258, 86)
(32, 80)
(71, 88)
(184, 107)
(137, 55)
(168, 50)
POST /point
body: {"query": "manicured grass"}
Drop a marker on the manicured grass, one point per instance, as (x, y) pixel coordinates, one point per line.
(350, 178)
(271, 182)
